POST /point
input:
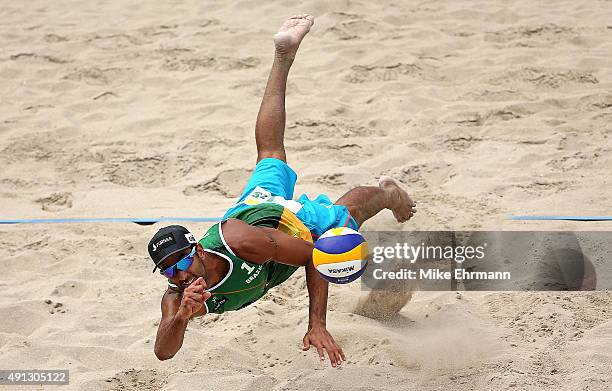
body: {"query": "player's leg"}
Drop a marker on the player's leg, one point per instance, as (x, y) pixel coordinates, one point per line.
(272, 176)
(363, 202)
(270, 127)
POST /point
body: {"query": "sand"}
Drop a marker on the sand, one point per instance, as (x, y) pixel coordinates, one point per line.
(482, 109)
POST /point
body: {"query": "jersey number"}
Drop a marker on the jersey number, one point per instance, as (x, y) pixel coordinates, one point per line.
(248, 268)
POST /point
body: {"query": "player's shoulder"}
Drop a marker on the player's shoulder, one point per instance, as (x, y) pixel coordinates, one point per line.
(212, 238)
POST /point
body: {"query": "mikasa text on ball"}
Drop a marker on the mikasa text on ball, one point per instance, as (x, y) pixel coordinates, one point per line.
(340, 255)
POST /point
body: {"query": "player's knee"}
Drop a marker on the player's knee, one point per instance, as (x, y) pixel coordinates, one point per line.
(355, 212)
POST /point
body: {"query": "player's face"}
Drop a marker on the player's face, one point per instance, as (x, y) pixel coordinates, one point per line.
(182, 278)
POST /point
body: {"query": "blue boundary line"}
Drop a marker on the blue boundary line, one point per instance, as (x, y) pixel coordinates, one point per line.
(567, 218)
(113, 220)
(215, 219)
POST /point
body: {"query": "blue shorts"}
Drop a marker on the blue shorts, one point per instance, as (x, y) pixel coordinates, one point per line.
(274, 181)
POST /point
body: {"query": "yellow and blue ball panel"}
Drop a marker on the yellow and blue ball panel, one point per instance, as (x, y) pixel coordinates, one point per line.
(340, 255)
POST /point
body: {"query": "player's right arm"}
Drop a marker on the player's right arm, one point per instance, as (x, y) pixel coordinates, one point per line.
(177, 308)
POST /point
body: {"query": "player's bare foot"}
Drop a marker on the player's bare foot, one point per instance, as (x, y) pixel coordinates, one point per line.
(399, 202)
(291, 33)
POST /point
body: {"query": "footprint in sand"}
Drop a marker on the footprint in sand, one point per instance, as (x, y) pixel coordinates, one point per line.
(56, 202)
(331, 180)
(532, 36)
(351, 27)
(70, 289)
(544, 77)
(230, 183)
(98, 76)
(378, 73)
(132, 379)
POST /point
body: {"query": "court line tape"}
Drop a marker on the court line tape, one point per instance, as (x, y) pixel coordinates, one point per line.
(153, 220)
(567, 218)
(141, 221)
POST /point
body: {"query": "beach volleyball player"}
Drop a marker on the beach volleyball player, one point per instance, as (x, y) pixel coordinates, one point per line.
(266, 236)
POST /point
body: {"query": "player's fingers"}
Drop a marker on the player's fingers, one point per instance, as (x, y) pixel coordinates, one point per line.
(195, 296)
(341, 353)
(306, 343)
(337, 351)
(193, 301)
(321, 353)
(195, 288)
(334, 358)
(206, 295)
(330, 353)
(200, 283)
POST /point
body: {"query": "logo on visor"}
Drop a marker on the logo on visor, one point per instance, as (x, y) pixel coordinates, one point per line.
(190, 238)
(168, 240)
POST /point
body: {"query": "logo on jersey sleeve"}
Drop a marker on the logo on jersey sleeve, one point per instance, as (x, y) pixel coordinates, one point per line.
(257, 196)
(217, 302)
(260, 195)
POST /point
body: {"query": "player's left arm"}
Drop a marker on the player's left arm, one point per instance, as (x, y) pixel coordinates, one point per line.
(260, 245)
(317, 334)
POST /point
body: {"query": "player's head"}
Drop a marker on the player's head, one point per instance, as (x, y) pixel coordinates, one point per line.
(173, 250)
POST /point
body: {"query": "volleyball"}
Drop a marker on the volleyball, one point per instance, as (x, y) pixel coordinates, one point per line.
(340, 255)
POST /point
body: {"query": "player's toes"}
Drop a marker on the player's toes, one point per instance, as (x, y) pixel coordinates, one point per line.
(307, 17)
(410, 202)
(401, 217)
(406, 214)
(397, 216)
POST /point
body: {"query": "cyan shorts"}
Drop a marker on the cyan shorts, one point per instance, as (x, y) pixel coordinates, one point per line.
(274, 181)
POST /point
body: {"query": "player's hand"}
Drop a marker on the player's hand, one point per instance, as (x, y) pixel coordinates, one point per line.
(321, 339)
(193, 299)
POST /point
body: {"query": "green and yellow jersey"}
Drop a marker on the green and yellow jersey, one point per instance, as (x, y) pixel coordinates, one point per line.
(247, 282)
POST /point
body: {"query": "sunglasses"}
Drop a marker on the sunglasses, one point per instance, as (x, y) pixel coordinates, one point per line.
(183, 265)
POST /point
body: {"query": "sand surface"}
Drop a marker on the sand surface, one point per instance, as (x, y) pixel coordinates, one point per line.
(140, 109)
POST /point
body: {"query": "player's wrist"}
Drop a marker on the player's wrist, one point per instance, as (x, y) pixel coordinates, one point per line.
(316, 323)
(182, 317)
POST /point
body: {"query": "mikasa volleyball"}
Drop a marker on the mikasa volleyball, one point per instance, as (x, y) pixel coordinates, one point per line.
(340, 255)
